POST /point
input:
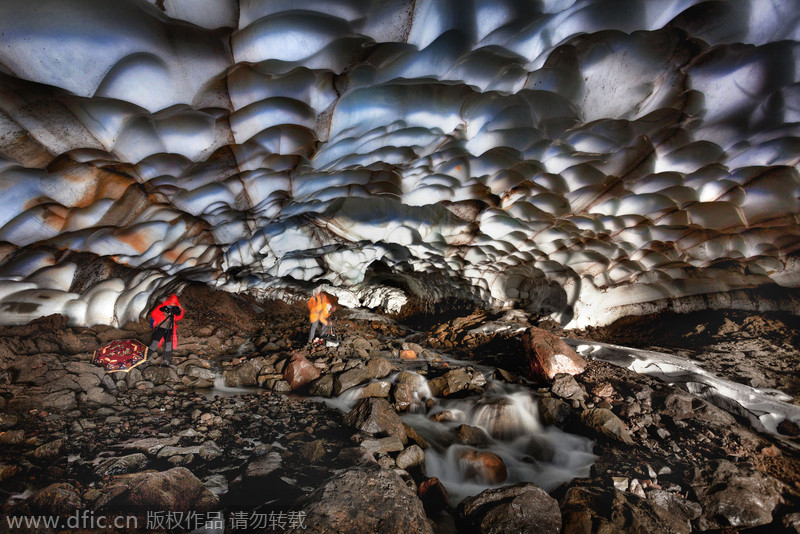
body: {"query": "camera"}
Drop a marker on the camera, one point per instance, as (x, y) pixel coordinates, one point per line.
(170, 310)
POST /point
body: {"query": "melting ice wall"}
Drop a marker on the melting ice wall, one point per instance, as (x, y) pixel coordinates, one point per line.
(587, 159)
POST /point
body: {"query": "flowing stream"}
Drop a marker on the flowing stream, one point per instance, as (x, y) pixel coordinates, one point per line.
(508, 416)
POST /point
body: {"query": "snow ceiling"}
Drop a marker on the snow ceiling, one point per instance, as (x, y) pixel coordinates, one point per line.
(587, 159)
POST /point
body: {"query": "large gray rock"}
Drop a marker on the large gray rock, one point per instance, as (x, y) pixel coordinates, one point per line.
(379, 367)
(733, 495)
(243, 375)
(350, 379)
(605, 422)
(151, 445)
(377, 417)
(130, 463)
(177, 490)
(100, 396)
(451, 383)
(589, 509)
(364, 500)
(523, 508)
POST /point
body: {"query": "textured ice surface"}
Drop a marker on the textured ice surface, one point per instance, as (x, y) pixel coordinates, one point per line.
(586, 159)
(765, 408)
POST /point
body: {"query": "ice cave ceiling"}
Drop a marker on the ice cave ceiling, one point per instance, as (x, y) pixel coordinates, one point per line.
(581, 158)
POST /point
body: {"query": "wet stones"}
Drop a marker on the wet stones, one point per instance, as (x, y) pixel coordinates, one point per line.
(472, 436)
(523, 508)
(376, 416)
(411, 457)
(379, 367)
(350, 379)
(244, 374)
(452, 382)
(483, 466)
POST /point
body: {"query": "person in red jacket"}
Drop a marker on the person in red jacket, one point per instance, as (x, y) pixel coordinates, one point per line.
(164, 319)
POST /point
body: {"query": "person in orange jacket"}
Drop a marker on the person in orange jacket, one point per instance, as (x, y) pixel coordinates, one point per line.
(164, 319)
(320, 307)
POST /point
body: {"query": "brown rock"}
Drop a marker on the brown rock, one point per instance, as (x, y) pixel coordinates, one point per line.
(484, 466)
(300, 371)
(364, 500)
(403, 396)
(56, 499)
(433, 495)
(548, 355)
(177, 490)
(408, 355)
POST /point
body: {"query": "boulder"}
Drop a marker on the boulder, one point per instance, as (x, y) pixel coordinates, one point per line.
(472, 436)
(402, 396)
(522, 508)
(382, 445)
(379, 367)
(605, 422)
(408, 355)
(299, 371)
(483, 466)
(159, 374)
(8, 421)
(548, 355)
(433, 495)
(376, 389)
(60, 498)
(176, 489)
(733, 495)
(350, 379)
(589, 509)
(566, 387)
(411, 457)
(451, 383)
(413, 347)
(323, 386)
(553, 411)
(364, 499)
(130, 463)
(151, 445)
(243, 375)
(100, 396)
(377, 417)
(49, 450)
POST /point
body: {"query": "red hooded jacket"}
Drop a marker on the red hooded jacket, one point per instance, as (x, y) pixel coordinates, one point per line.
(159, 316)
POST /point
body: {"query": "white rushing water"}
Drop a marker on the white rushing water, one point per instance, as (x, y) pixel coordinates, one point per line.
(509, 415)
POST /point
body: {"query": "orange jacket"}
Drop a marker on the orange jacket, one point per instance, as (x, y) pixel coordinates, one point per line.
(159, 316)
(320, 307)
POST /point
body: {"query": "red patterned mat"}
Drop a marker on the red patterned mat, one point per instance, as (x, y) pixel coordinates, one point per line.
(120, 355)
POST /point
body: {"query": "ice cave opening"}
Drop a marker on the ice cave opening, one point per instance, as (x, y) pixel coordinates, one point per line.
(560, 240)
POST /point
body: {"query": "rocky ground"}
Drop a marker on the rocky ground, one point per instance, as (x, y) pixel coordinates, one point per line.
(157, 442)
